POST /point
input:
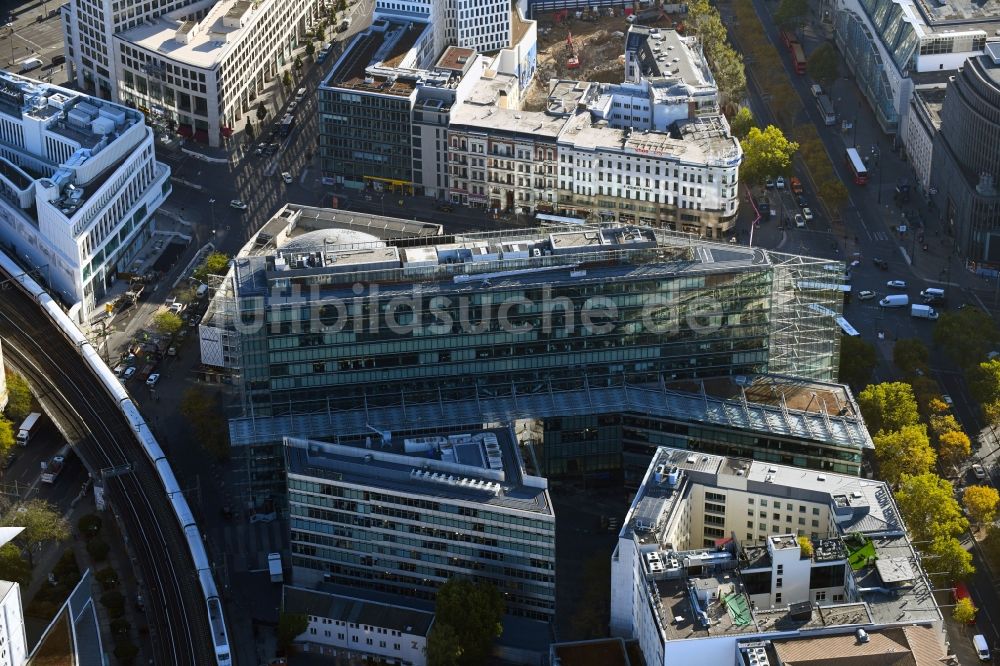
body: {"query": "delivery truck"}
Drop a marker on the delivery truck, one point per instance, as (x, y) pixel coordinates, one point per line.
(923, 312)
(28, 428)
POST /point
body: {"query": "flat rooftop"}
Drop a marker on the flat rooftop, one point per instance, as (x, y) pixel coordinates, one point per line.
(352, 609)
(821, 616)
(728, 615)
(663, 53)
(903, 646)
(506, 121)
(599, 652)
(956, 14)
(367, 64)
(480, 467)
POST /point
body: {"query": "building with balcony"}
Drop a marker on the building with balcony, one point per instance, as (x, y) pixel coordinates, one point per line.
(79, 183)
(966, 159)
(722, 555)
(892, 45)
(403, 516)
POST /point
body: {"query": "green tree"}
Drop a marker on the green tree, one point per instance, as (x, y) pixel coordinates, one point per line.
(984, 381)
(297, 63)
(953, 447)
(444, 647)
(13, 565)
(18, 397)
(310, 49)
(966, 335)
(89, 525)
(766, 153)
(215, 263)
(790, 13)
(741, 122)
(261, 111)
(730, 73)
(823, 64)
(341, 5)
(929, 508)
(942, 423)
(286, 79)
(964, 611)
(909, 355)
(41, 522)
(981, 503)
(321, 32)
(950, 558)
(204, 412)
(290, 627)
(474, 610)
(7, 440)
(857, 361)
(888, 406)
(903, 452)
(167, 323)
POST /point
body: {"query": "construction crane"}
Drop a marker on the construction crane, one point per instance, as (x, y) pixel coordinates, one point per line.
(573, 61)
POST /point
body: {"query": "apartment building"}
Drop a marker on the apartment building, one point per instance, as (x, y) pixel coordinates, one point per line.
(403, 517)
(78, 188)
(720, 554)
(13, 643)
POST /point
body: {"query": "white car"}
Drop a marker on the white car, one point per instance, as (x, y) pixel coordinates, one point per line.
(896, 284)
(287, 177)
(947, 400)
(780, 183)
(800, 221)
(979, 472)
(807, 213)
(153, 378)
(129, 372)
(866, 295)
(237, 204)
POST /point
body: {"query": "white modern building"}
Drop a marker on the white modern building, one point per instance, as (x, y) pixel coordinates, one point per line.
(718, 553)
(892, 45)
(79, 183)
(405, 516)
(13, 643)
(352, 624)
(483, 25)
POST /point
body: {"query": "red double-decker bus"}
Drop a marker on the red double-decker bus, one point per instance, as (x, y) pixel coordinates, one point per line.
(798, 58)
(857, 166)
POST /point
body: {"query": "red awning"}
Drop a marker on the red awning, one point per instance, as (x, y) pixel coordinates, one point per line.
(227, 132)
(201, 136)
(185, 130)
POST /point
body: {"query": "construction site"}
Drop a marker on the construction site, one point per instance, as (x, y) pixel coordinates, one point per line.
(589, 44)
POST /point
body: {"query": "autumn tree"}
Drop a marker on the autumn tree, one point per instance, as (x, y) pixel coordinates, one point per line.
(929, 508)
(964, 611)
(981, 503)
(741, 122)
(766, 153)
(41, 522)
(903, 452)
(942, 423)
(888, 406)
(950, 557)
(167, 323)
(215, 263)
(984, 381)
(18, 397)
(953, 447)
(857, 361)
(7, 440)
(966, 335)
(13, 565)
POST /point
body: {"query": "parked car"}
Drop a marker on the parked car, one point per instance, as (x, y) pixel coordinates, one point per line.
(866, 295)
(796, 185)
(947, 400)
(287, 177)
(802, 202)
(800, 222)
(881, 263)
(979, 472)
(237, 204)
(780, 183)
(769, 183)
(896, 284)
(153, 378)
(129, 372)
(807, 213)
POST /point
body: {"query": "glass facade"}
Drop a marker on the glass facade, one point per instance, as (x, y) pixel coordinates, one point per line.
(410, 544)
(861, 54)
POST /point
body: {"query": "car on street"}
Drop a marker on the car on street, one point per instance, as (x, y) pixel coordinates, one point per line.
(129, 373)
(979, 472)
(445, 208)
(769, 183)
(802, 202)
(946, 399)
(287, 177)
(237, 204)
(259, 150)
(796, 185)
(292, 106)
(153, 378)
(9, 460)
(807, 213)
(866, 295)
(896, 284)
(780, 183)
(800, 222)
(881, 263)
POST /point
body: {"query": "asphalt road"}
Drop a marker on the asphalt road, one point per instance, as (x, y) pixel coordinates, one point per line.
(180, 632)
(28, 37)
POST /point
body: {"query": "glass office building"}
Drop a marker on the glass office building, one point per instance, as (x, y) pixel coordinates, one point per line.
(324, 328)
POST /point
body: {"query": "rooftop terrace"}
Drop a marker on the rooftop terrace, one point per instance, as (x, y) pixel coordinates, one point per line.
(370, 63)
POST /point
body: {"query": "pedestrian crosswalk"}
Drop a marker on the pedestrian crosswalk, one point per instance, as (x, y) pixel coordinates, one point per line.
(879, 235)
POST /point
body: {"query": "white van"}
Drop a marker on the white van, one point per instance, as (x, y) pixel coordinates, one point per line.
(982, 649)
(202, 290)
(30, 64)
(816, 89)
(932, 294)
(895, 301)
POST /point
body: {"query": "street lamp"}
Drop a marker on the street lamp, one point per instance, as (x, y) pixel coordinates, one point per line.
(211, 204)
